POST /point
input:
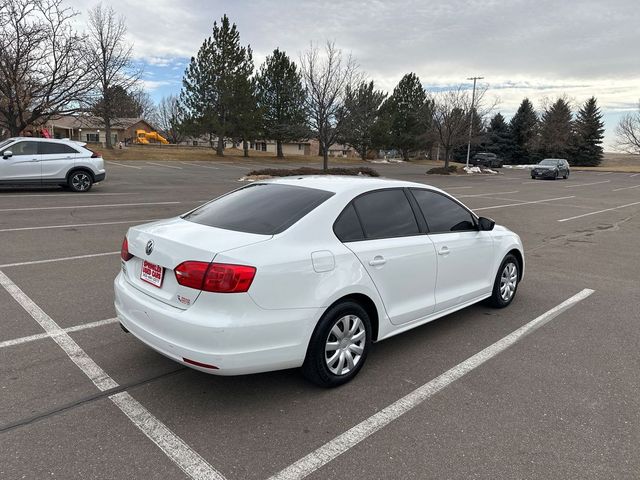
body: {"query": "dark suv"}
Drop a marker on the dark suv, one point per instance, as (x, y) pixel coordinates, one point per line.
(551, 168)
(486, 159)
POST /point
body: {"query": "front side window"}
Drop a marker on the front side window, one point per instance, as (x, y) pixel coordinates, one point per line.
(261, 208)
(24, 148)
(443, 214)
(50, 148)
(386, 214)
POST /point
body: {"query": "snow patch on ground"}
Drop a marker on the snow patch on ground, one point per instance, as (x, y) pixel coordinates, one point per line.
(521, 167)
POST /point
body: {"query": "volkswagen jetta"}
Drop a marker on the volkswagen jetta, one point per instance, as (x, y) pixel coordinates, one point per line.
(308, 272)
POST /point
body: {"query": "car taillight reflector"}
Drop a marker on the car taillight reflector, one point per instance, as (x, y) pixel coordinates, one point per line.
(199, 364)
(124, 251)
(215, 277)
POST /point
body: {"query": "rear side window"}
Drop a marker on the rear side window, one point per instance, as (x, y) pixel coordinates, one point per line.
(260, 208)
(443, 214)
(386, 214)
(50, 148)
(347, 227)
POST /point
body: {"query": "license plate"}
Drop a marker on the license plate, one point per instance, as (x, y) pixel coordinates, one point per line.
(152, 273)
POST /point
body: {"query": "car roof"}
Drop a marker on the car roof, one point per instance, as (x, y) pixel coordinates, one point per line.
(345, 183)
(39, 139)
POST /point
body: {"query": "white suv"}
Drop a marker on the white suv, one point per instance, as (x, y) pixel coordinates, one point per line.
(45, 161)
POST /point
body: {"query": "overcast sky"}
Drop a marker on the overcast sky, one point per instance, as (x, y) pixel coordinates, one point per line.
(535, 48)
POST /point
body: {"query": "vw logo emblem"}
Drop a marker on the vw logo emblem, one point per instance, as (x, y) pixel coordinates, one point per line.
(149, 247)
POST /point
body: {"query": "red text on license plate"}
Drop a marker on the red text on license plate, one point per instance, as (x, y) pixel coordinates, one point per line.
(152, 273)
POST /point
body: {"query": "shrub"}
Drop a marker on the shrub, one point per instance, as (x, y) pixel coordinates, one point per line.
(443, 171)
(286, 172)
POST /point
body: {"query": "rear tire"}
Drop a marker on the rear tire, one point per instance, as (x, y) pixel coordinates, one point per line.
(506, 282)
(339, 345)
(80, 181)
(533, 177)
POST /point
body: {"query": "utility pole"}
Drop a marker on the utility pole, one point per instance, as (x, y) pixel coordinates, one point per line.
(473, 99)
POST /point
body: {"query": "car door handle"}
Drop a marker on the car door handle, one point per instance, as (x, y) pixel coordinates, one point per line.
(377, 261)
(444, 251)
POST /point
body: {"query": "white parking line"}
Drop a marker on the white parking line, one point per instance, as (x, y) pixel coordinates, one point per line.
(40, 336)
(349, 439)
(76, 225)
(625, 188)
(485, 194)
(634, 175)
(599, 211)
(587, 184)
(87, 206)
(198, 165)
(454, 188)
(162, 165)
(66, 195)
(523, 203)
(603, 173)
(123, 165)
(62, 259)
(173, 446)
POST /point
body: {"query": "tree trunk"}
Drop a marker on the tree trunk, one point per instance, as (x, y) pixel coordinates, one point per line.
(220, 149)
(405, 155)
(279, 153)
(107, 132)
(446, 157)
(245, 148)
(325, 159)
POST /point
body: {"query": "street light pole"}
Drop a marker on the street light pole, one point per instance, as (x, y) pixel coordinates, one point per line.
(473, 99)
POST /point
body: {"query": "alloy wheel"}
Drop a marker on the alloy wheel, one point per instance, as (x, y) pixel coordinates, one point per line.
(80, 182)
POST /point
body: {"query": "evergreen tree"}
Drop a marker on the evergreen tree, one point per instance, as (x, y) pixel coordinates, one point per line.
(524, 133)
(498, 139)
(281, 100)
(409, 114)
(214, 80)
(556, 130)
(245, 117)
(589, 133)
(361, 105)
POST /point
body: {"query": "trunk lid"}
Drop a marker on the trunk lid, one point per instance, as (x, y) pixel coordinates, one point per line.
(172, 242)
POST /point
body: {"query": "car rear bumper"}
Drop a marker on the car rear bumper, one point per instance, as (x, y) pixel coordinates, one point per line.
(544, 174)
(99, 177)
(230, 333)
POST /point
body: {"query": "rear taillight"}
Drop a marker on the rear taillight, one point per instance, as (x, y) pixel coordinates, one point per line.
(94, 154)
(124, 251)
(215, 277)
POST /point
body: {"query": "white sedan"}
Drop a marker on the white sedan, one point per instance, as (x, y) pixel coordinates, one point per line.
(308, 272)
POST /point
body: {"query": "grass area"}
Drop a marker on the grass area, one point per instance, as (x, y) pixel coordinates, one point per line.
(155, 153)
(443, 171)
(616, 162)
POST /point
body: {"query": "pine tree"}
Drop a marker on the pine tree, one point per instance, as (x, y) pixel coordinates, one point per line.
(524, 132)
(410, 113)
(498, 139)
(589, 133)
(361, 105)
(281, 100)
(556, 130)
(214, 80)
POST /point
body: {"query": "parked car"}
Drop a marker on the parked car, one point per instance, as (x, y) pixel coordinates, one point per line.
(485, 159)
(47, 161)
(308, 272)
(551, 168)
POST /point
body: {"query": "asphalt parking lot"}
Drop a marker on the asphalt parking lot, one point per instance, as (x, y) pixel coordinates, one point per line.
(81, 399)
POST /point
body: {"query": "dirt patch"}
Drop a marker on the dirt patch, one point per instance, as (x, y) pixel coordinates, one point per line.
(451, 169)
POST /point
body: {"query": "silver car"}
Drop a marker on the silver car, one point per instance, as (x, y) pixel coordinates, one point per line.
(47, 161)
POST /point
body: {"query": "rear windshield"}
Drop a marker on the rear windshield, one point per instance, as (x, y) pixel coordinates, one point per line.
(549, 161)
(260, 208)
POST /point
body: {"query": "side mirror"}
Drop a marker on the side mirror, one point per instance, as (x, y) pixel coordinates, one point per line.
(486, 224)
(6, 154)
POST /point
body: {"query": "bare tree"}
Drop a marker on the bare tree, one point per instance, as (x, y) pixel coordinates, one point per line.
(628, 132)
(110, 57)
(171, 118)
(451, 116)
(43, 69)
(326, 76)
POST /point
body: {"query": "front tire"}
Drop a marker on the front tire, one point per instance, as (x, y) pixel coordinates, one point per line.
(80, 181)
(339, 345)
(506, 282)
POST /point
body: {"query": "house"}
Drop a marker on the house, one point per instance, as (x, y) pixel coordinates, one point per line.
(301, 147)
(90, 129)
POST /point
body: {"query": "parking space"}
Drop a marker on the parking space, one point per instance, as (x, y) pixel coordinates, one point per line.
(560, 402)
